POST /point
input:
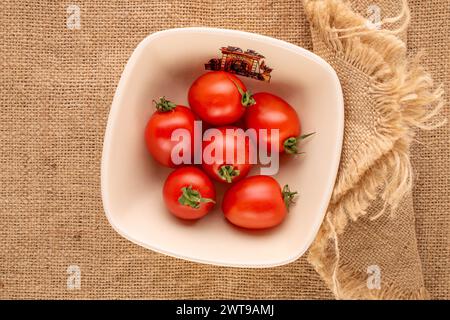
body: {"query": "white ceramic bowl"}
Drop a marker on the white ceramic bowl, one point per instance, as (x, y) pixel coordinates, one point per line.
(165, 64)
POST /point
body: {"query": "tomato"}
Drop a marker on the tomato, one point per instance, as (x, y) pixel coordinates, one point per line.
(219, 98)
(189, 193)
(162, 123)
(271, 112)
(257, 202)
(232, 141)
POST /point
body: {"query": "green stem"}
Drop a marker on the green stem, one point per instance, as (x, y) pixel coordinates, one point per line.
(246, 97)
(227, 173)
(192, 198)
(288, 196)
(290, 144)
(164, 105)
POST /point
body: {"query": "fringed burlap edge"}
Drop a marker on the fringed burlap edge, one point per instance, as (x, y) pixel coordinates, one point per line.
(405, 100)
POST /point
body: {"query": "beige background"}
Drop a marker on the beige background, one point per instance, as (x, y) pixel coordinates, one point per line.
(57, 86)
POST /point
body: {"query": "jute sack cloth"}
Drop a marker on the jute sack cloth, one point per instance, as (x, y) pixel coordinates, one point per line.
(387, 96)
(57, 86)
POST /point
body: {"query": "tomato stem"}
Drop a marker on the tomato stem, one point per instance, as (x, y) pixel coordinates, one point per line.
(227, 173)
(192, 198)
(288, 196)
(164, 105)
(290, 144)
(246, 97)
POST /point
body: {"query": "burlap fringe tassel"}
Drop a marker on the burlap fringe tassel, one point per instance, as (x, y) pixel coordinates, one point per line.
(403, 94)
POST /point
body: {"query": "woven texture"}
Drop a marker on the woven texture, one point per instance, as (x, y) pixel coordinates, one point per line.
(57, 86)
(387, 95)
(429, 31)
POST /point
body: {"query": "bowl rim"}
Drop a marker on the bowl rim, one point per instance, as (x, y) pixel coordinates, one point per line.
(117, 99)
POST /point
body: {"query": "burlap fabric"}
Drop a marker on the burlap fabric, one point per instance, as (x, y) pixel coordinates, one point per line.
(57, 86)
(390, 95)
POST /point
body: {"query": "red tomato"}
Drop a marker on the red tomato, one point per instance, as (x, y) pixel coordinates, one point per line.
(162, 123)
(257, 202)
(272, 112)
(219, 98)
(233, 142)
(189, 193)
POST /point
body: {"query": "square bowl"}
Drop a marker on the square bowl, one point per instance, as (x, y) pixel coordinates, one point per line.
(165, 64)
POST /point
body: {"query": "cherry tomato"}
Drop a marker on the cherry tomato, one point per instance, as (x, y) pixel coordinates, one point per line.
(271, 112)
(162, 123)
(232, 141)
(257, 202)
(189, 193)
(219, 98)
